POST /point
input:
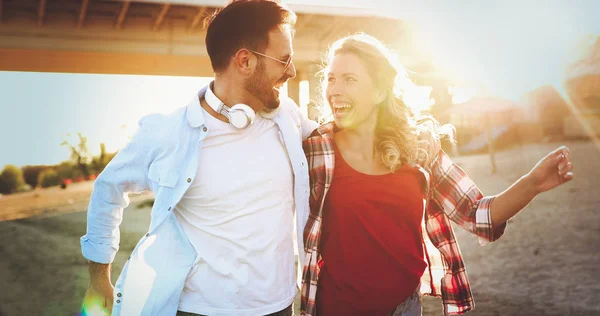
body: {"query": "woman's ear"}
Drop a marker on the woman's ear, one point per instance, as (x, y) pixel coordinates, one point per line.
(379, 96)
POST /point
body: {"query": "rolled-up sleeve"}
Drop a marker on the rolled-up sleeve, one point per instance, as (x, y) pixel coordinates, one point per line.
(483, 222)
(126, 172)
(455, 193)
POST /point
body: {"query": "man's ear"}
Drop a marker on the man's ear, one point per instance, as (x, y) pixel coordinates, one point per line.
(244, 62)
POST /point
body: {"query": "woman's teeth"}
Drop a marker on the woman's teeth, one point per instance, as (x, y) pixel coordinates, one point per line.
(341, 109)
(341, 105)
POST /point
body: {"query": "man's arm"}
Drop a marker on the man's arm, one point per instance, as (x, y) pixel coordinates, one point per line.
(429, 145)
(127, 172)
(307, 125)
(99, 294)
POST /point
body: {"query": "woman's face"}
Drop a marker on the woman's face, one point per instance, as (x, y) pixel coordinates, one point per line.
(351, 92)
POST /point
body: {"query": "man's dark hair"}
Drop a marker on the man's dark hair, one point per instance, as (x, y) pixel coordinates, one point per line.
(243, 24)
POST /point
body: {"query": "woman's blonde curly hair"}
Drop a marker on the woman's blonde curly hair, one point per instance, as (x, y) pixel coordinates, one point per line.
(397, 130)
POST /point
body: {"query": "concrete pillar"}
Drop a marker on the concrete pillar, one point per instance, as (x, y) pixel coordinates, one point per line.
(313, 82)
(293, 89)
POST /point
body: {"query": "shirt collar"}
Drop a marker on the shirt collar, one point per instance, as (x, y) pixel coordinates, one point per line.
(194, 111)
(325, 129)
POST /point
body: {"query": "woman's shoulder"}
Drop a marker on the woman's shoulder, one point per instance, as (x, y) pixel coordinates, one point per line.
(320, 139)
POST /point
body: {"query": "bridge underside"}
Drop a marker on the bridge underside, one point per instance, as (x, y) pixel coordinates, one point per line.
(156, 38)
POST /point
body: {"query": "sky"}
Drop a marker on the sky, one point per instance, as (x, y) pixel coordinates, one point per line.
(507, 47)
(39, 110)
(502, 48)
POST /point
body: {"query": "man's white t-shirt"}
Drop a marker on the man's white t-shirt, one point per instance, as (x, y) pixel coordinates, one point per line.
(238, 215)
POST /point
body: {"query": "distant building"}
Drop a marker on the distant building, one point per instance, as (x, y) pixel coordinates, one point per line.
(543, 114)
(545, 109)
(482, 119)
(583, 88)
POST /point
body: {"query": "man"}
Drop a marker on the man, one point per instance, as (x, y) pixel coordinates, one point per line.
(226, 183)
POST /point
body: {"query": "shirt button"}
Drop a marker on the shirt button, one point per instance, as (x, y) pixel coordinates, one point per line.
(189, 180)
(204, 129)
(147, 234)
(118, 301)
(169, 208)
(118, 294)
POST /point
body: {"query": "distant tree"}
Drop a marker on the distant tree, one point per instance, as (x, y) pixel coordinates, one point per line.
(99, 163)
(11, 179)
(49, 178)
(31, 174)
(80, 154)
(66, 170)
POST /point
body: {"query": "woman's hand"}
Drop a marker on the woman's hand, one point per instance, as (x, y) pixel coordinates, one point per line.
(553, 170)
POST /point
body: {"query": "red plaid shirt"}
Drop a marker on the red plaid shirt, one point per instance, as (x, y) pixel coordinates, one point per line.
(451, 195)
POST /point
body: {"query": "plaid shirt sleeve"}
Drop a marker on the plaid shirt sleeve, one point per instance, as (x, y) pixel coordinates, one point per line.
(454, 193)
(319, 154)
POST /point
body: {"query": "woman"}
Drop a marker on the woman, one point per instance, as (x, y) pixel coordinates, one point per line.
(366, 250)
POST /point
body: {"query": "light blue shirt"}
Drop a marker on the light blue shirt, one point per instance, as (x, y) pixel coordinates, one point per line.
(163, 157)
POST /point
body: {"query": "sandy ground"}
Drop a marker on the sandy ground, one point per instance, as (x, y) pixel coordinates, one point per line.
(52, 201)
(548, 262)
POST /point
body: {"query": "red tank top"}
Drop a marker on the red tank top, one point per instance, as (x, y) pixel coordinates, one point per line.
(371, 241)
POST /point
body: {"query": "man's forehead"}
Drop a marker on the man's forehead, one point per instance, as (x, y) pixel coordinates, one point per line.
(280, 40)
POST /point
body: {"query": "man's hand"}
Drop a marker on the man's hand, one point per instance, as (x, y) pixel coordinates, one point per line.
(99, 295)
(429, 143)
(553, 170)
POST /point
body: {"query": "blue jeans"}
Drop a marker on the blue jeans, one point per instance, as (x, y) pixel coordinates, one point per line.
(289, 311)
(412, 306)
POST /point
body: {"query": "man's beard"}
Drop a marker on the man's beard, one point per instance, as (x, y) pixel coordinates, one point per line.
(259, 86)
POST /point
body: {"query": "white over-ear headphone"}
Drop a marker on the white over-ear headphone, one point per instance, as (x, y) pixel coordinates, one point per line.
(240, 115)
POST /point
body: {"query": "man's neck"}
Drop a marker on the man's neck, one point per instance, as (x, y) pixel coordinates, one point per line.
(212, 112)
(231, 93)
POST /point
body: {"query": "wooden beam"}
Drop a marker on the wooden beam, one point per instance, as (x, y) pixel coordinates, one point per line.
(306, 18)
(370, 26)
(1, 11)
(82, 13)
(400, 28)
(197, 19)
(161, 17)
(41, 12)
(336, 26)
(104, 63)
(326, 31)
(122, 14)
